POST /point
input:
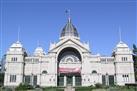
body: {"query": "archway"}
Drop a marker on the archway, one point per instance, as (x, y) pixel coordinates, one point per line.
(69, 67)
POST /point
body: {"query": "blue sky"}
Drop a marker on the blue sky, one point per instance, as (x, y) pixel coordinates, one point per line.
(97, 22)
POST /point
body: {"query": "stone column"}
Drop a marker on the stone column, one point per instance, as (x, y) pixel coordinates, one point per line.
(65, 80)
(73, 84)
(107, 79)
(32, 80)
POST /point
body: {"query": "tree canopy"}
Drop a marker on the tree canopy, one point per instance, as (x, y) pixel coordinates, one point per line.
(135, 60)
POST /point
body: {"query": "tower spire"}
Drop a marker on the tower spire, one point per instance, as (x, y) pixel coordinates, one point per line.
(68, 15)
(18, 34)
(38, 43)
(120, 35)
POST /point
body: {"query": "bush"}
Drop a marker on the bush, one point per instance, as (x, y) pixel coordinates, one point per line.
(6, 89)
(98, 85)
(23, 87)
(83, 88)
(37, 86)
(91, 86)
(1, 79)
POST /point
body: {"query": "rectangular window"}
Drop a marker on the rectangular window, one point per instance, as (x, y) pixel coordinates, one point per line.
(78, 80)
(28, 79)
(60, 80)
(35, 80)
(31, 80)
(124, 58)
(111, 80)
(14, 59)
(12, 78)
(125, 78)
(103, 80)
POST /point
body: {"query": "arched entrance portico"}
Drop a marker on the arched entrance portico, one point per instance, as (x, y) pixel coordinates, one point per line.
(69, 67)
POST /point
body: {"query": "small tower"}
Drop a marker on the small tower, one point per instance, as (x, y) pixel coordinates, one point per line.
(124, 69)
(122, 53)
(14, 67)
(39, 51)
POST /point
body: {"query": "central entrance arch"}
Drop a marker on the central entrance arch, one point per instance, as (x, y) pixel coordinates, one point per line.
(69, 67)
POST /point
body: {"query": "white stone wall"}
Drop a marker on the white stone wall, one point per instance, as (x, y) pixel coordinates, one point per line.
(13, 68)
(124, 67)
(45, 64)
(88, 64)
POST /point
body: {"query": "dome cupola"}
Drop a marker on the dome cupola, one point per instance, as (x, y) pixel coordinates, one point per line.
(69, 30)
(39, 51)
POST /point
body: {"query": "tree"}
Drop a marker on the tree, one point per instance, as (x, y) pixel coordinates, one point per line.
(135, 60)
(1, 79)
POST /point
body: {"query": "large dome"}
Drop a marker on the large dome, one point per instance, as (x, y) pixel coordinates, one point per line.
(69, 30)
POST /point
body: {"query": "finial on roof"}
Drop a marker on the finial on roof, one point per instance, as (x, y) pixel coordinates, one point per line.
(18, 34)
(38, 43)
(120, 35)
(68, 15)
(69, 29)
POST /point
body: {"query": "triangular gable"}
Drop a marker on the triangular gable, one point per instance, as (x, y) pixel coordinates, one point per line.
(70, 41)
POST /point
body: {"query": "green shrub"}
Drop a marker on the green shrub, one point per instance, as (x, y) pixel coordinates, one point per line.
(83, 88)
(91, 86)
(37, 86)
(1, 79)
(23, 86)
(6, 89)
(98, 85)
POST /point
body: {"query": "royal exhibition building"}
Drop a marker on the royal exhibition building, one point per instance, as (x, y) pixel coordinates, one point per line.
(69, 61)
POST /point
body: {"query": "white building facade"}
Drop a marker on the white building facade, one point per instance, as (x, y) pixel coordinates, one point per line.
(69, 61)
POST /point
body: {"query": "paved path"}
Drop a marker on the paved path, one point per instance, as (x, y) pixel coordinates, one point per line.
(69, 88)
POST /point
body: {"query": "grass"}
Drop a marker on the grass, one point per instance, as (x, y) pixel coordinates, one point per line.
(115, 88)
(83, 89)
(53, 89)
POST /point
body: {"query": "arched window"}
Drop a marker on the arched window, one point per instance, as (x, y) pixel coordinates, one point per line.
(94, 72)
(44, 72)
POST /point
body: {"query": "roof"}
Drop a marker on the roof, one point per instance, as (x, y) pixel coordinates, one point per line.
(39, 50)
(17, 45)
(69, 30)
(121, 45)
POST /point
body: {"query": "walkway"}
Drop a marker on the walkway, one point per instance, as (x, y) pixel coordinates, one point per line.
(69, 88)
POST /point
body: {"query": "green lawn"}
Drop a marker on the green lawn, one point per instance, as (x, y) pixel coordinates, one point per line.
(83, 89)
(93, 89)
(53, 89)
(107, 89)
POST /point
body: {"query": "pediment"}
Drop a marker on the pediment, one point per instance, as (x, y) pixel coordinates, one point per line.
(70, 42)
